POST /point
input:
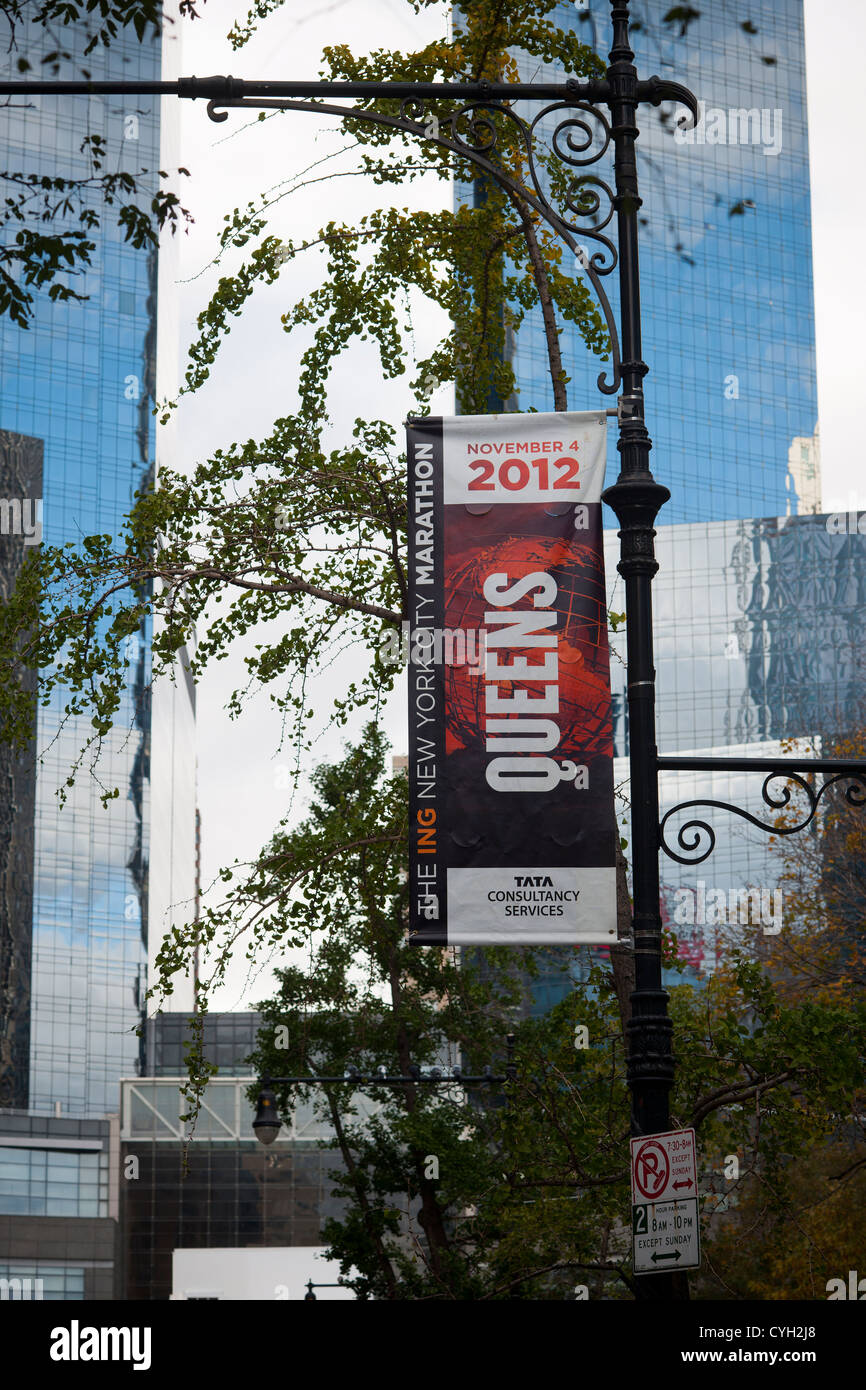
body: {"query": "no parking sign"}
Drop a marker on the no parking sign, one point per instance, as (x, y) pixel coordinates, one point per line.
(664, 1194)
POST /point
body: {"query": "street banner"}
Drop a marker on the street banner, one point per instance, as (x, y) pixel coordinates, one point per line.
(512, 827)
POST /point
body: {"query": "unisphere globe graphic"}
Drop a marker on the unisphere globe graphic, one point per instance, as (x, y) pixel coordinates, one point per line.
(584, 715)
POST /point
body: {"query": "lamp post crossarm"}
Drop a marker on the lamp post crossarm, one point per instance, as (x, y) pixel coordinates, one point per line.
(230, 89)
(436, 1076)
(696, 839)
(454, 1077)
(855, 767)
(224, 88)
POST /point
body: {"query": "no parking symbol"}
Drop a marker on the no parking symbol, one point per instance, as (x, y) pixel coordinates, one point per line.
(651, 1170)
(663, 1166)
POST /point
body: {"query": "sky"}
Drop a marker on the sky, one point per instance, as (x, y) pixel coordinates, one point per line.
(242, 770)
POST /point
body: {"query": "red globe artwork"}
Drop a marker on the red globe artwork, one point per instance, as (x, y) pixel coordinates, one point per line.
(584, 715)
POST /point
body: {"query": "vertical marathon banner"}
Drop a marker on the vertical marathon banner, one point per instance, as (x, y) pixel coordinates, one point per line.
(512, 827)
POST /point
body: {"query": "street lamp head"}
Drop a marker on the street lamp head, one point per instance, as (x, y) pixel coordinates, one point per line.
(266, 1125)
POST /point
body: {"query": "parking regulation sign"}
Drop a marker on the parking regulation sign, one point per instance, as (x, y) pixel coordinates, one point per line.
(664, 1192)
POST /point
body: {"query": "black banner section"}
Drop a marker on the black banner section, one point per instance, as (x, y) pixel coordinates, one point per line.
(427, 866)
(512, 828)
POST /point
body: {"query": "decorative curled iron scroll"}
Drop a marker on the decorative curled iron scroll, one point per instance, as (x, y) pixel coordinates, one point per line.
(471, 133)
(694, 834)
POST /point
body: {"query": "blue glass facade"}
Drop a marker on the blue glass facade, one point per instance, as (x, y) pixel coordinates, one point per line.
(726, 259)
(59, 1206)
(764, 643)
(759, 642)
(81, 381)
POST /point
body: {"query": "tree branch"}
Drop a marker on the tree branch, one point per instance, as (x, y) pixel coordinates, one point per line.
(542, 284)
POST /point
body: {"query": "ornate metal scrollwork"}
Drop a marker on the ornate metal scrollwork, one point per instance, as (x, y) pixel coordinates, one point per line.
(582, 198)
(574, 141)
(574, 148)
(471, 133)
(473, 130)
(694, 834)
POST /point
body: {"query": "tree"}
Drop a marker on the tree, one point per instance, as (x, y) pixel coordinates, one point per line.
(50, 220)
(362, 997)
(791, 1241)
(456, 1195)
(244, 528)
(797, 1192)
(822, 948)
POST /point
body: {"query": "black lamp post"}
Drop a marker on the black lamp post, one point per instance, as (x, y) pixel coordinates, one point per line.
(635, 497)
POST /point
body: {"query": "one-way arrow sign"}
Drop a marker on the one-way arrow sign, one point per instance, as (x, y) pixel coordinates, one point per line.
(666, 1232)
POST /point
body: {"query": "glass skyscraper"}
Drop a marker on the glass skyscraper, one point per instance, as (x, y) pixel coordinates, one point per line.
(81, 381)
(726, 262)
(88, 890)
